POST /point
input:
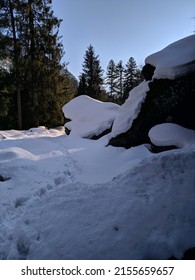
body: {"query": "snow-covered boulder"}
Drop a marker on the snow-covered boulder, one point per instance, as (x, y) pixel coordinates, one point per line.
(170, 134)
(170, 97)
(175, 60)
(89, 117)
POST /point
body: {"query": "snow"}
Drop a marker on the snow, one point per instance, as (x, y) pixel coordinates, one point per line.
(89, 117)
(175, 60)
(168, 134)
(66, 197)
(69, 197)
(130, 109)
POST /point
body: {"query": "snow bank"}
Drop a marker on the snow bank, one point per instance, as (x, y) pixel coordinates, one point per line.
(89, 116)
(175, 60)
(129, 110)
(168, 134)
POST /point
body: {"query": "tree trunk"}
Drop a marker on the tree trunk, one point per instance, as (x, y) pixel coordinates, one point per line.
(16, 60)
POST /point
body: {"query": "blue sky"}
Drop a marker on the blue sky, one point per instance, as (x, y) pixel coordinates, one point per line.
(119, 29)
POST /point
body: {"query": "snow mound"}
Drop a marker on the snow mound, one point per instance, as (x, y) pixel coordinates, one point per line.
(130, 109)
(168, 134)
(15, 153)
(89, 116)
(175, 60)
(31, 133)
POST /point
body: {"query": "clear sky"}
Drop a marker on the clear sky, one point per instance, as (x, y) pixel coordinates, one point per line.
(119, 29)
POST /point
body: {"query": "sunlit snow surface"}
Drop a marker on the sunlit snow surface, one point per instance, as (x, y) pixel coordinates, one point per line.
(66, 197)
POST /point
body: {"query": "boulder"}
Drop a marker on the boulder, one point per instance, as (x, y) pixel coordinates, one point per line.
(169, 99)
(2, 179)
(88, 117)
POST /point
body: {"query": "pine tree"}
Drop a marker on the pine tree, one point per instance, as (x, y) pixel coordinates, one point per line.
(10, 46)
(120, 73)
(82, 87)
(93, 73)
(132, 76)
(111, 76)
(29, 38)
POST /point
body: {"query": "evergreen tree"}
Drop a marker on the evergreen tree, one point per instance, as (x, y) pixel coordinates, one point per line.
(111, 76)
(29, 38)
(82, 87)
(92, 73)
(10, 47)
(132, 76)
(119, 84)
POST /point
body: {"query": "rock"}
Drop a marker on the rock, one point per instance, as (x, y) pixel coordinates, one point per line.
(88, 117)
(166, 100)
(2, 179)
(189, 254)
(170, 96)
(148, 72)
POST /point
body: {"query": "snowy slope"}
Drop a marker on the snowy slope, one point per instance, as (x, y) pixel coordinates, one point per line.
(130, 109)
(73, 198)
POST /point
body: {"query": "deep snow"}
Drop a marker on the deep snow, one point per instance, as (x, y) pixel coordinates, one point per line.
(66, 197)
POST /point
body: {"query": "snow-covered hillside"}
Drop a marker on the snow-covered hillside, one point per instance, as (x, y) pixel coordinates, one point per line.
(65, 197)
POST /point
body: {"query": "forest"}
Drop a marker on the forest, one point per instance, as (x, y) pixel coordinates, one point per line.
(34, 83)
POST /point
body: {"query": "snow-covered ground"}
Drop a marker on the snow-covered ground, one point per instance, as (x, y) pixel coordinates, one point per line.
(68, 197)
(65, 197)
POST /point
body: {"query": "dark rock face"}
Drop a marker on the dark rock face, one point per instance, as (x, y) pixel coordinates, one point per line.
(105, 132)
(166, 101)
(189, 254)
(148, 72)
(2, 179)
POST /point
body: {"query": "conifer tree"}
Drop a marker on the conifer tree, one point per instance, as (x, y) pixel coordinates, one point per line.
(92, 72)
(82, 87)
(111, 76)
(132, 76)
(120, 73)
(29, 38)
(10, 47)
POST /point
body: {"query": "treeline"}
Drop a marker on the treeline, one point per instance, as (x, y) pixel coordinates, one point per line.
(34, 85)
(117, 82)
